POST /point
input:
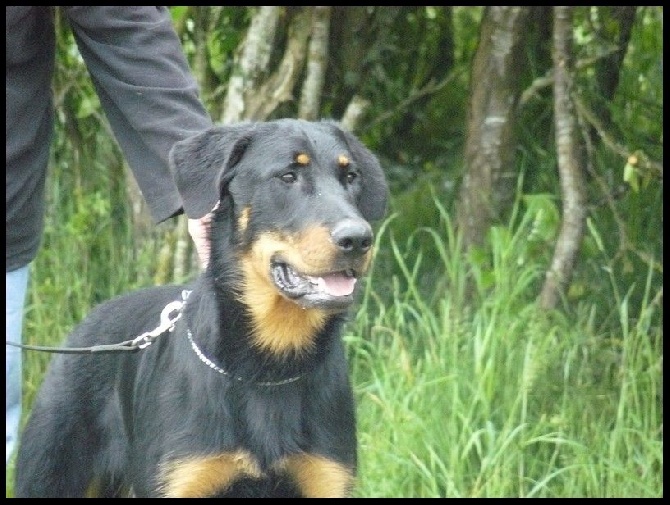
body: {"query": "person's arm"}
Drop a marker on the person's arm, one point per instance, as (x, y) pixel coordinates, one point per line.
(146, 89)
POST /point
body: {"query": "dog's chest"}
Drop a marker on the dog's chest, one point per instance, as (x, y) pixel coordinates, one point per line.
(272, 425)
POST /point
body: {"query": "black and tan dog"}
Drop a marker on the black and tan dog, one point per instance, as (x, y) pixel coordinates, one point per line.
(249, 394)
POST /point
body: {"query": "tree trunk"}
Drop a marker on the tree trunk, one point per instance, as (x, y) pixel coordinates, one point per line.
(251, 61)
(255, 90)
(569, 165)
(489, 147)
(261, 101)
(312, 87)
(354, 112)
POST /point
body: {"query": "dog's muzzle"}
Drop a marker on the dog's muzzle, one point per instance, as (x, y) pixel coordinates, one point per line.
(352, 241)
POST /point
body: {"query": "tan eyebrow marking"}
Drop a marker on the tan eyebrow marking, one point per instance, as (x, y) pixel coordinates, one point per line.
(343, 160)
(302, 159)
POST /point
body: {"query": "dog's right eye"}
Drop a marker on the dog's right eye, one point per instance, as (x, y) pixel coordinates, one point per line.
(289, 177)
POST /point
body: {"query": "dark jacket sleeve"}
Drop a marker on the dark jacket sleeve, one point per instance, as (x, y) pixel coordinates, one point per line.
(146, 89)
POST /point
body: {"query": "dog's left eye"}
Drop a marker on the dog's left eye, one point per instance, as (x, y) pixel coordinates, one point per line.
(289, 177)
(351, 177)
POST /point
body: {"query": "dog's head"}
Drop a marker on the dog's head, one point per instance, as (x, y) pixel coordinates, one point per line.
(300, 197)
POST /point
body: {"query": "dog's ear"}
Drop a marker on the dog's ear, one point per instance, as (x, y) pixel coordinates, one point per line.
(372, 200)
(203, 162)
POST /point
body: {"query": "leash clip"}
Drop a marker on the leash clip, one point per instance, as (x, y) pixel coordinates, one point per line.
(167, 322)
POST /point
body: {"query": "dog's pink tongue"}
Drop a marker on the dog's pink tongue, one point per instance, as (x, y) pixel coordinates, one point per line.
(337, 285)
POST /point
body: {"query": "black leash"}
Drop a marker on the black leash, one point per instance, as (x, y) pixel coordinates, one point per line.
(135, 344)
(128, 345)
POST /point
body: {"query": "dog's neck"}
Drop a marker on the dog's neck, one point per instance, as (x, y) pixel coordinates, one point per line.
(213, 320)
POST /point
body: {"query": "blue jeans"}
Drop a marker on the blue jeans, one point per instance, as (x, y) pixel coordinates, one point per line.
(17, 284)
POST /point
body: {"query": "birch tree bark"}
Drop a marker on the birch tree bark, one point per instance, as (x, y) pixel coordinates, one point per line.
(250, 62)
(569, 165)
(266, 96)
(354, 112)
(312, 87)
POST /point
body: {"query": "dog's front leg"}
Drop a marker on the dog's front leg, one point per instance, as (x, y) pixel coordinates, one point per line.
(318, 476)
(203, 476)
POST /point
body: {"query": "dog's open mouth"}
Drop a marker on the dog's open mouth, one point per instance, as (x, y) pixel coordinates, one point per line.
(333, 290)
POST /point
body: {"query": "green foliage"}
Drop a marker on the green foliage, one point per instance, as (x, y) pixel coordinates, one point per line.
(420, 49)
(499, 398)
(637, 106)
(624, 199)
(223, 27)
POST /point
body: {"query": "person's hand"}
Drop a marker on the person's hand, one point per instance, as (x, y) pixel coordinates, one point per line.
(199, 231)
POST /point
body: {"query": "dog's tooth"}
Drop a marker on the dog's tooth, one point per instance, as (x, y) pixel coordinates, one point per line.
(289, 275)
(316, 282)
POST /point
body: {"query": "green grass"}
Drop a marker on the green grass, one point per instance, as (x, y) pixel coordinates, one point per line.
(502, 403)
(498, 398)
(464, 387)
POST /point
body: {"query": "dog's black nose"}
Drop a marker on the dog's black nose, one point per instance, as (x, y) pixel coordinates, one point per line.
(352, 236)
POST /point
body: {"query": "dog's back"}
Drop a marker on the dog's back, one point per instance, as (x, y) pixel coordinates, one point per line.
(77, 430)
